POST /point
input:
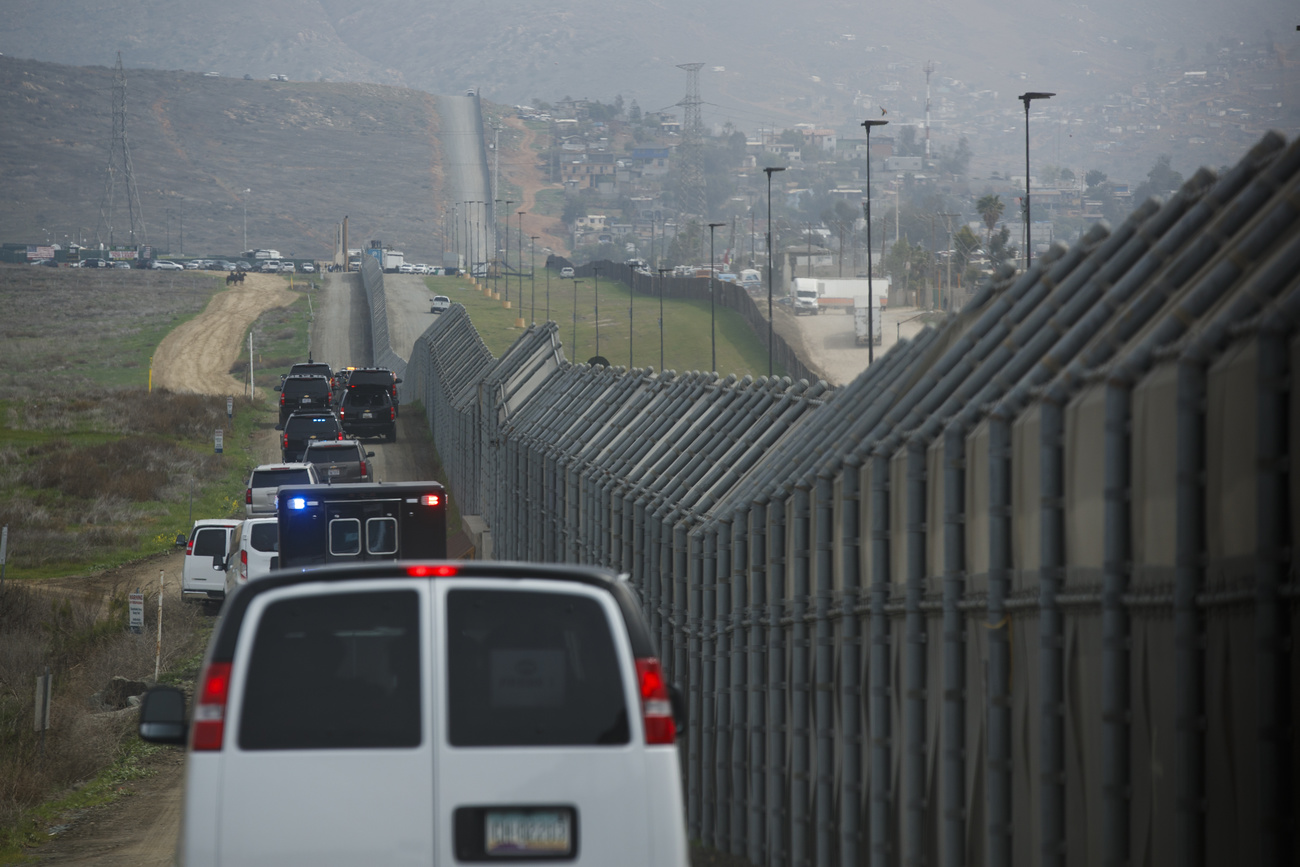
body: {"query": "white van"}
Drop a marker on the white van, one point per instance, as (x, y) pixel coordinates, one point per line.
(429, 713)
(203, 577)
(254, 552)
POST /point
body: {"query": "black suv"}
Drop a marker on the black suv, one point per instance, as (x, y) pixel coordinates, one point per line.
(368, 412)
(339, 461)
(372, 378)
(303, 427)
(312, 368)
(303, 392)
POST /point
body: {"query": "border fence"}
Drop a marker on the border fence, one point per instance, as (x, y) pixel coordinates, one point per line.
(1022, 593)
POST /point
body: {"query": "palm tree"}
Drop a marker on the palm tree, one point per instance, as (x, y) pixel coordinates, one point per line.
(990, 208)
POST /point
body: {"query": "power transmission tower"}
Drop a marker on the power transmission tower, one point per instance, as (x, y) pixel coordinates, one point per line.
(120, 172)
(693, 199)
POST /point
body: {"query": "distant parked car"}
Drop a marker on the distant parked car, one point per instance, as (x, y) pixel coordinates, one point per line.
(95, 263)
(406, 268)
(440, 304)
(121, 263)
(566, 272)
(308, 268)
(286, 267)
(166, 265)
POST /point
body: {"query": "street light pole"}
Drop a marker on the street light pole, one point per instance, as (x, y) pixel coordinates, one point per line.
(532, 272)
(1026, 98)
(246, 192)
(769, 170)
(596, 271)
(520, 255)
(576, 283)
(713, 337)
(871, 289)
(948, 281)
(661, 319)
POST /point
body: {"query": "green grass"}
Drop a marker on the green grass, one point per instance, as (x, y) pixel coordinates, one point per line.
(279, 342)
(88, 329)
(686, 324)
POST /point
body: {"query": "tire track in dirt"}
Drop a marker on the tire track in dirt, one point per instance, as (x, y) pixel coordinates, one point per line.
(197, 356)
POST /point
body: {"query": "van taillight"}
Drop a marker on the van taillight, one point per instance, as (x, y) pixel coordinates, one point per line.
(656, 706)
(243, 566)
(248, 496)
(392, 413)
(282, 398)
(210, 710)
(284, 440)
(363, 468)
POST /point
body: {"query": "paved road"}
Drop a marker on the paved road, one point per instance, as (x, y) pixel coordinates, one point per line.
(462, 165)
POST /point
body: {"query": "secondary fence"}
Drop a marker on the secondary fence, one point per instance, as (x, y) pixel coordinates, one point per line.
(1022, 593)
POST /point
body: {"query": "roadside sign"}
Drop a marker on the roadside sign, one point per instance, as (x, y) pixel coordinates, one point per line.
(42, 717)
(136, 603)
(230, 407)
(217, 437)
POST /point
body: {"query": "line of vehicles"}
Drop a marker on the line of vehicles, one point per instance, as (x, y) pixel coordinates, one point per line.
(364, 699)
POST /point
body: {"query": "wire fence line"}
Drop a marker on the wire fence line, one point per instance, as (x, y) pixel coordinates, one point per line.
(1021, 593)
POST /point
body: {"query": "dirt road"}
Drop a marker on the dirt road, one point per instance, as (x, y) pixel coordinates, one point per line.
(198, 355)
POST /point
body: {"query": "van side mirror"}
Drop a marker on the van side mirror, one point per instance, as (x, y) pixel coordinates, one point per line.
(280, 387)
(399, 379)
(370, 454)
(279, 427)
(162, 716)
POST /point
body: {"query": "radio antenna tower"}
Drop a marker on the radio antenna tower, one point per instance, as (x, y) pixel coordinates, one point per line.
(929, 68)
(693, 199)
(120, 172)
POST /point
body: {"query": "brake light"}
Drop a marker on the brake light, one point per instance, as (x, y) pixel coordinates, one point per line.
(248, 496)
(189, 547)
(243, 566)
(432, 571)
(392, 413)
(282, 398)
(430, 500)
(656, 706)
(210, 709)
(363, 468)
(284, 440)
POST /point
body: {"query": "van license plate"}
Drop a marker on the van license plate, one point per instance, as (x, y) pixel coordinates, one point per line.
(536, 832)
(367, 415)
(334, 471)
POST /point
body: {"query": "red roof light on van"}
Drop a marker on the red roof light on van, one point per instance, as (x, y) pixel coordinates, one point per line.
(442, 571)
(210, 709)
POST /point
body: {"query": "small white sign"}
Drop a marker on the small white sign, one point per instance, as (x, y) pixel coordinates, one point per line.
(217, 440)
(230, 407)
(136, 603)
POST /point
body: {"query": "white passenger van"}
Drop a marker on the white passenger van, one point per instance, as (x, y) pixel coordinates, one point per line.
(429, 713)
(203, 575)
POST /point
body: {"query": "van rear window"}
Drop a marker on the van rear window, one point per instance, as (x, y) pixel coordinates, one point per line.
(337, 671)
(265, 536)
(530, 669)
(210, 542)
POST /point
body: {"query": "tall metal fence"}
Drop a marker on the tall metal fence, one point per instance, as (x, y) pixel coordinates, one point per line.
(1022, 593)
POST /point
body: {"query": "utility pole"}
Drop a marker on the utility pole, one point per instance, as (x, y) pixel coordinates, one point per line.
(948, 281)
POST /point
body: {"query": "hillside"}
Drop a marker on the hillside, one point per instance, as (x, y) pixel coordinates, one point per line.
(778, 60)
(310, 153)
